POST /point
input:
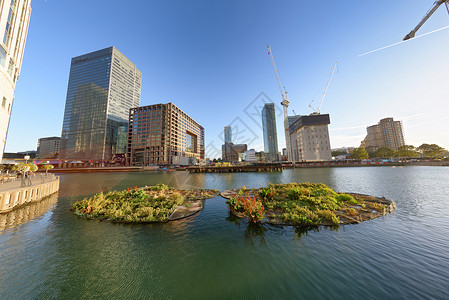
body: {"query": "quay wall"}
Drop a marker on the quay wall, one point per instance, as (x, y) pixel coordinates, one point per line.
(16, 196)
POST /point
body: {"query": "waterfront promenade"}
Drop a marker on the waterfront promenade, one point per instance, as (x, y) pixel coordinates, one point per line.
(19, 191)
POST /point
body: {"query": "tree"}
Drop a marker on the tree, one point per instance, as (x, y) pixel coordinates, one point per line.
(385, 152)
(21, 168)
(337, 153)
(407, 151)
(430, 150)
(359, 153)
(47, 167)
(33, 167)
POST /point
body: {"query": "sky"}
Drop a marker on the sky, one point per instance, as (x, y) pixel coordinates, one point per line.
(210, 59)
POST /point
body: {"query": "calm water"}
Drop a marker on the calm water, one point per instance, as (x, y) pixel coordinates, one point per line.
(210, 255)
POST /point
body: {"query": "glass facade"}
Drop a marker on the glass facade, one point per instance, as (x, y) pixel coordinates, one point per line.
(270, 138)
(103, 86)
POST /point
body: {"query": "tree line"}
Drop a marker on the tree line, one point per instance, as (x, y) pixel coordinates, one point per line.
(425, 150)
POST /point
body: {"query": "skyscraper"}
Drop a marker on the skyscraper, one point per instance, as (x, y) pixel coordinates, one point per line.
(103, 86)
(228, 134)
(387, 133)
(270, 137)
(14, 21)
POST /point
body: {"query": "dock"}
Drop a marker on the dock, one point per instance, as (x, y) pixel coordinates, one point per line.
(237, 169)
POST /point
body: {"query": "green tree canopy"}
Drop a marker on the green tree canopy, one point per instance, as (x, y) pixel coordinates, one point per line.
(359, 153)
(430, 150)
(337, 153)
(407, 151)
(385, 152)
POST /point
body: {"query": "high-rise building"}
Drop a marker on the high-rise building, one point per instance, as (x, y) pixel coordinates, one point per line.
(387, 133)
(163, 134)
(233, 153)
(48, 147)
(228, 134)
(14, 21)
(270, 137)
(103, 86)
(309, 137)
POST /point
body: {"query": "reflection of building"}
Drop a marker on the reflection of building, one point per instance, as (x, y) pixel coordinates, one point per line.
(310, 138)
(103, 86)
(14, 21)
(233, 153)
(388, 133)
(48, 147)
(163, 134)
(228, 134)
(270, 138)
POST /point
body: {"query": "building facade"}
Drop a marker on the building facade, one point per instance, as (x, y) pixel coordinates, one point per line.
(103, 86)
(270, 138)
(233, 152)
(48, 147)
(387, 133)
(14, 21)
(163, 134)
(310, 138)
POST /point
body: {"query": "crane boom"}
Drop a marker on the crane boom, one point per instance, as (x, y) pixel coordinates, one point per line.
(327, 87)
(284, 103)
(435, 6)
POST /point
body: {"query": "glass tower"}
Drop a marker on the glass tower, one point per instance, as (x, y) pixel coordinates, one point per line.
(228, 134)
(270, 138)
(103, 86)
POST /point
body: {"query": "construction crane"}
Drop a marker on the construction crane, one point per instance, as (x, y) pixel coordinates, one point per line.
(284, 103)
(317, 110)
(435, 6)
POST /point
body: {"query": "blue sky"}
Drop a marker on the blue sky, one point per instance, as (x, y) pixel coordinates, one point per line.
(210, 59)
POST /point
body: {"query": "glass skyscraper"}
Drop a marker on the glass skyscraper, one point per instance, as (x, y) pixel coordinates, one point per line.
(270, 137)
(103, 86)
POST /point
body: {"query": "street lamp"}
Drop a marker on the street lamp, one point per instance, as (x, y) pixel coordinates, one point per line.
(26, 157)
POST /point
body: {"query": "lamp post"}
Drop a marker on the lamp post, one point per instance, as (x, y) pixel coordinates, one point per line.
(26, 157)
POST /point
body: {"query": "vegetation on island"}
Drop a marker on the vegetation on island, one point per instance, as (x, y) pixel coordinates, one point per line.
(304, 204)
(149, 204)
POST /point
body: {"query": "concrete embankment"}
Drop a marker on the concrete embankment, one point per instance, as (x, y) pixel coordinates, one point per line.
(21, 191)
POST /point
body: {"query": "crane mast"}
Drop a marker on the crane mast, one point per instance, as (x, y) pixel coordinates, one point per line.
(284, 103)
(435, 6)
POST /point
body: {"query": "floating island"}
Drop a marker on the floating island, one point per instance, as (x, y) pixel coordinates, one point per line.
(304, 204)
(143, 205)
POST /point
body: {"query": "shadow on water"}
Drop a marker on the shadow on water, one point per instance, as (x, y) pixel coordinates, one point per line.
(256, 232)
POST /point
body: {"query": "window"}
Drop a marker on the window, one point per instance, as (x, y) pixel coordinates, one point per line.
(4, 102)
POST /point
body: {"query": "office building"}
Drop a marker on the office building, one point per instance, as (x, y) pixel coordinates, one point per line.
(163, 134)
(233, 153)
(387, 133)
(250, 156)
(270, 139)
(14, 21)
(309, 137)
(48, 147)
(228, 134)
(103, 86)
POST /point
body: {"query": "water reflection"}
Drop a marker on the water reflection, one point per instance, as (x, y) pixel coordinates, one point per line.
(27, 213)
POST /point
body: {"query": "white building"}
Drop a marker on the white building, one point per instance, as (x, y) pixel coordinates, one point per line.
(250, 156)
(309, 137)
(14, 21)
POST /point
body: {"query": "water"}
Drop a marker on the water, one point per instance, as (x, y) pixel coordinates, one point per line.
(211, 255)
